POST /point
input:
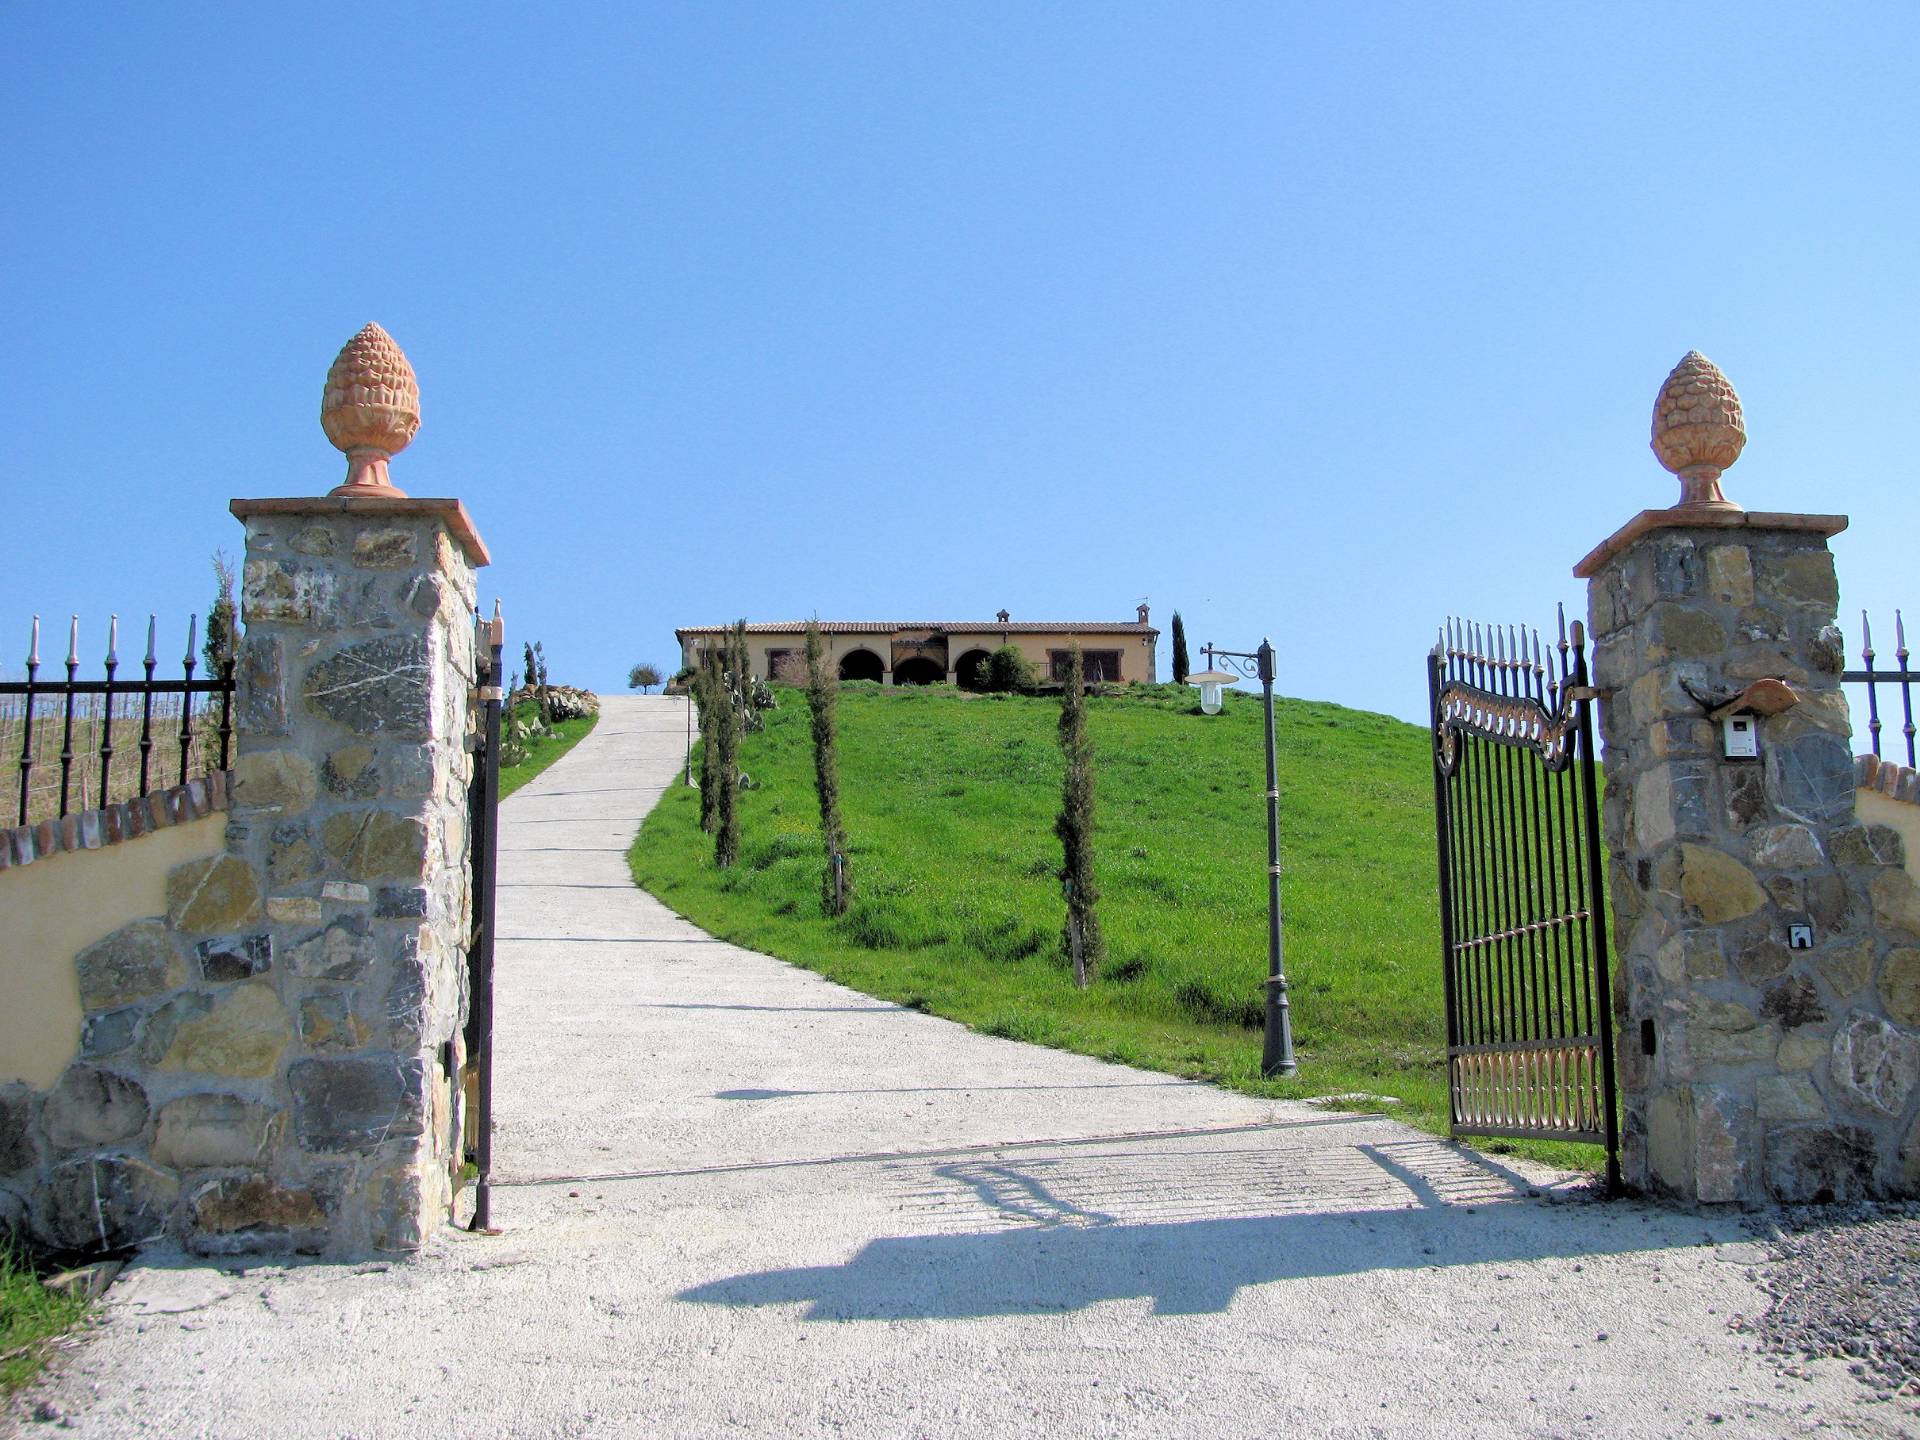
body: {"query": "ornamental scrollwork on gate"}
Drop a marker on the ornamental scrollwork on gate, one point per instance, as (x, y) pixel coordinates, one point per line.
(1517, 720)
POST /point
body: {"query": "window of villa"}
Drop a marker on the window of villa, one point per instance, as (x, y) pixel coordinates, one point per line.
(1096, 665)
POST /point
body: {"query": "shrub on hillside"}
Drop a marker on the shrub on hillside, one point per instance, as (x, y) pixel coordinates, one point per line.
(564, 702)
(1009, 670)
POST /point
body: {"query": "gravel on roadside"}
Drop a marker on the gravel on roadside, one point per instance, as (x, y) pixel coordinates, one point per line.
(1844, 1282)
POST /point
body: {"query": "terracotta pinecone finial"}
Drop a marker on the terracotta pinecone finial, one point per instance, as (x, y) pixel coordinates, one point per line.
(1698, 430)
(370, 409)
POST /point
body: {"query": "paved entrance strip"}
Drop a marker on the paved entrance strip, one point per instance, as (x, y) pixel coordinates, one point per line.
(740, 1200)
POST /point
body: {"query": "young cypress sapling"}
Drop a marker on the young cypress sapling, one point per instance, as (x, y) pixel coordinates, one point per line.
(733, 701)
(836, 885)
(1084, 944)
(710, 695)
(1181, 666)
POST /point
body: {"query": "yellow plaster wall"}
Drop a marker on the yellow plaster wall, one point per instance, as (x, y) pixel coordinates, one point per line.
(54, 909)
(1136, 656)
(1873, 808)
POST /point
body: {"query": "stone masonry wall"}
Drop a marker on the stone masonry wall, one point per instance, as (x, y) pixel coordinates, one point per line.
(270, 1064)
(1749, 1071)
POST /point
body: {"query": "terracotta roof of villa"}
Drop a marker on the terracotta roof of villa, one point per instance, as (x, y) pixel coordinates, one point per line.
(958, 627)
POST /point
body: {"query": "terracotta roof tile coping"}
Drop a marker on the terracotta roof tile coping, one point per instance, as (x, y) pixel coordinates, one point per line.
(952, 627)
(452, 512)
(1685, 518)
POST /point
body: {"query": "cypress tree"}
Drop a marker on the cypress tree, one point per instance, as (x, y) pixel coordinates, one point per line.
(734, 696)
(1075, 828)
(221, 617)
(1181, 667)
(823, 689)
(709, 693)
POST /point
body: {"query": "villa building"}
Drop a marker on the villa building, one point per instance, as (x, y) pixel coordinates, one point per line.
(928, 652)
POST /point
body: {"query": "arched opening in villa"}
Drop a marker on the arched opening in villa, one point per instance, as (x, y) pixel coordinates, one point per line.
(970, 670)
(861, 665)
(918, 670)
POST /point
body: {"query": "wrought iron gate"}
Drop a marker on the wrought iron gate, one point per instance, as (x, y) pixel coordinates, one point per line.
(483, 809)
(1522, 894)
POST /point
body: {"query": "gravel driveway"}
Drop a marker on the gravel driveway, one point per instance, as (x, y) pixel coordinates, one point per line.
(739, 1200)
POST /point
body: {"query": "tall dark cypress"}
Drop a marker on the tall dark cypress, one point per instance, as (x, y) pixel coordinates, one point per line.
(1081, 939)
(823, 692)
(1181, 667)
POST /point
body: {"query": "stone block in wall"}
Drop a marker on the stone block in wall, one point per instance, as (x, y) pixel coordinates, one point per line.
(368, 845)
(329, 1021)
(241, 1214)
(103, 1202)
(215, 1131)
(276, 780)
(376, 687)
(208, 896)
(134, 962)
(1819, 1164)
(1875, 1065)
(19, 1150)
(242, 1033)
(90, 1106)
(260, 675)
(357, 1103)
(1896, 902)
(234, 957)
(1900, 986)
(344, 950)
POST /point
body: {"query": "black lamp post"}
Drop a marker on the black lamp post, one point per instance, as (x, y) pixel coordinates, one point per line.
(1276, 1052)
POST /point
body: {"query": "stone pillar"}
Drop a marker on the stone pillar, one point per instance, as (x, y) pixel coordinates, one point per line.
(350, 809)
(1751, 1070)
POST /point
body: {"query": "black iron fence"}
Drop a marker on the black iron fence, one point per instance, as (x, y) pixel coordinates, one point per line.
(1898, 680)
(84, 744)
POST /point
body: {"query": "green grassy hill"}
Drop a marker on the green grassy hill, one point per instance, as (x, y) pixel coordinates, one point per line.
(950, 801)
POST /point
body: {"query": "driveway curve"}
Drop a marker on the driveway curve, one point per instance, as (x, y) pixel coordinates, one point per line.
(740, 1200)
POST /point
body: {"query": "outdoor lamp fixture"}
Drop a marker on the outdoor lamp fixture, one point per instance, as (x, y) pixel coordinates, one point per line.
(1276, 1051)
(1210, 683)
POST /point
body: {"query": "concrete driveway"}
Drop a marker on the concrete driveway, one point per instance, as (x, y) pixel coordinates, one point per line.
(739, 1200)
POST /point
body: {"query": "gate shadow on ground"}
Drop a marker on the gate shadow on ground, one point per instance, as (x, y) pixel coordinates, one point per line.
(944, 1089)
(1077, 1249)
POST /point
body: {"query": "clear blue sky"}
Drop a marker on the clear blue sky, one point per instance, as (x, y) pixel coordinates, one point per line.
(1316, 321)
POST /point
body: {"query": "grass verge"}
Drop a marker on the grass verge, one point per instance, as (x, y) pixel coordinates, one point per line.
(32, 1317)
(543, 750)
(950, 802)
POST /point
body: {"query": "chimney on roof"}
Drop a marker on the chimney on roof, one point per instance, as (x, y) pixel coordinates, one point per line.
(1143, 612)
(1003, 617)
